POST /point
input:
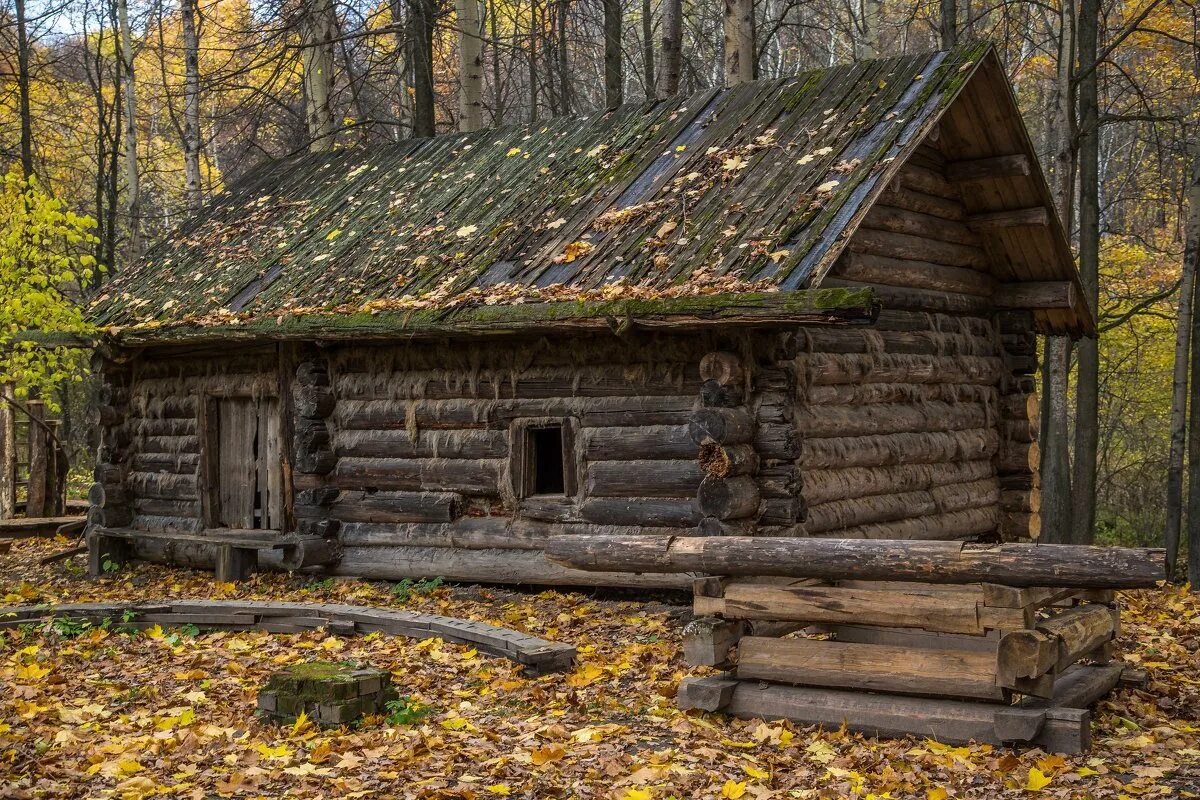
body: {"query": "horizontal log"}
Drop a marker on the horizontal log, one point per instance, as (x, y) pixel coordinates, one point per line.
(674, 478)
(917, 248)
(949, 721)
(482, 413)
(965, 524)
(856, 511)
(899, 342)
(783, 512)
(834, 559)
(1025, 500)
(891, 271)
(721, 425)
(779, 480)
(913, 198)
(984, 169)
(907, 298)
(819, 421)
(485, 566)
(465, 476)
(425, 444)
(900, 448)
(540, 382)
(178, 463)
(903, 220)
(930, 610)
(723, 461)
(162, 485)
(1054, 645)
(628, 444)
(829, 368)
(1036, 295)
(1018, 526)
(1037, 216)
(822, 486)
(808, 662)
(473, 533)
(641, 511)
(925, 180)
(358, 506)
(728, 498)
(1018, 457)
(781, 442)
(869, 393)
(172, 426)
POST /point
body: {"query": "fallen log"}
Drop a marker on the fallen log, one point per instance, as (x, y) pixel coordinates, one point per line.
(1015, 564)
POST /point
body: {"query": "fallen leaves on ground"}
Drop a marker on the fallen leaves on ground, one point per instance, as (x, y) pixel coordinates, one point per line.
(165, 713)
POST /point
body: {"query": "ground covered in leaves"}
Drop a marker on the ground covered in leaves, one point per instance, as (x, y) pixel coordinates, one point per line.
(112, 713)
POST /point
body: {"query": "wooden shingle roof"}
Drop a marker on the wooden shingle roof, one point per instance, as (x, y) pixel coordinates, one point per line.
(733, 193)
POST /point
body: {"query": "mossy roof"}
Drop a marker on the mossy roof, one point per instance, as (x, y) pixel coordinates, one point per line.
(738, 191)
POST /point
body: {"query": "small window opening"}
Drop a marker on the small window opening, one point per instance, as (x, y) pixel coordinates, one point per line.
(545, 448)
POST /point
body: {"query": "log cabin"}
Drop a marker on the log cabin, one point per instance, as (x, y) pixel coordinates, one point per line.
(800, 307)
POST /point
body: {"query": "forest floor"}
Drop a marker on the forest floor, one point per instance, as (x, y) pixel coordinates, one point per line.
(100, 713)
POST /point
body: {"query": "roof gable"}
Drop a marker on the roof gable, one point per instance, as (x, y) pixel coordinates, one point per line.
(752, 188)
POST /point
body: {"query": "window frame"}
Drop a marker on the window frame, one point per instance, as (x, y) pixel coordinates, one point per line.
(522, 469)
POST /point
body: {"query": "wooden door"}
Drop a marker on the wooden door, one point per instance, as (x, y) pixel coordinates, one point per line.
(249, 478)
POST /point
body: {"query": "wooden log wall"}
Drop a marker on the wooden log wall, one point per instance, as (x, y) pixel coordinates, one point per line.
(110, 496)
(163, 430)
(423, 482)
(921, 427)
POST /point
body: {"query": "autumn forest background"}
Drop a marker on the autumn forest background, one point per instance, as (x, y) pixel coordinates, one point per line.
(128, 114)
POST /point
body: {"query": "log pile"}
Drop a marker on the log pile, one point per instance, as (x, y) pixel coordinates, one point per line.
(956, 662)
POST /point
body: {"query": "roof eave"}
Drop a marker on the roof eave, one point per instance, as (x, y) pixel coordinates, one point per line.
(831, 306)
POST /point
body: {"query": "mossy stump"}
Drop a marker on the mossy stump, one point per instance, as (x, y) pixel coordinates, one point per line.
(329, 693)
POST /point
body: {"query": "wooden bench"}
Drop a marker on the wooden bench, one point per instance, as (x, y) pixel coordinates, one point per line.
(236, 551)
(21, 527)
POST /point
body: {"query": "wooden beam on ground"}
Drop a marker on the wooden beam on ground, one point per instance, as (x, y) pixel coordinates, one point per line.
(1011, 564)
(978, 169)
(1054, 645)
(949, 721)
(876, 668)
(1017, 217)
(23, 527)
(1036, 295)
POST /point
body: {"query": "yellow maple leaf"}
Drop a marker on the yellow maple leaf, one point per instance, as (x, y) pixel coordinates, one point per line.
(32, 672)
(585, 676)
(544, 755)
(128, 766)
(333, 234)
(155, 632)
(937, 793)
(574, 250)
(282, 751)
(637, 794)
(500, 788)
(1036, 780)
(733, 789)
(755, 772)
(513, 151)
(1086, 772)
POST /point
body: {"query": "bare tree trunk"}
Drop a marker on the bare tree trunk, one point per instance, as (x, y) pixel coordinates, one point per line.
(132, 185)
(614, 80)
(949, 23)
(1056, 367)
(1087, 371)
(672, 48)
(497, 89)
(1191, 262)
(739, 41)
(532, 54)
(317, 61)
(191, 105)
(420, 41)
(470, 66)
(564, 61)
(648, 46)
(23, 79)
(868, 43)
(1179, 381)
(403, 69)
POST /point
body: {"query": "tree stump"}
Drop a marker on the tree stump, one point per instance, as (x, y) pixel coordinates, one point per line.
(330, 693)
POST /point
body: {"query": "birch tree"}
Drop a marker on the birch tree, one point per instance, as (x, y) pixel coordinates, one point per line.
(191, 105)
(133, 203)
(318, 74)
(739, 41)
(470, 66)
(671, 48)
